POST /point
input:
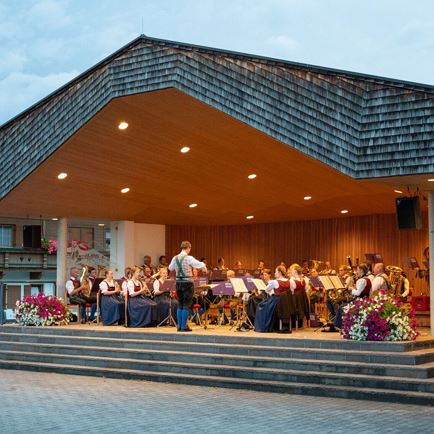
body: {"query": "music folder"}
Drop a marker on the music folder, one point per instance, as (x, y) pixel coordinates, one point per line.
(337, 282)
(218, 275)
(374, 258)
(223, 288)
(169, 285)
(316, 282)
(326, 282)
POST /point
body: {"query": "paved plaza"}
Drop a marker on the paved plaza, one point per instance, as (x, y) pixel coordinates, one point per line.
(52, 403)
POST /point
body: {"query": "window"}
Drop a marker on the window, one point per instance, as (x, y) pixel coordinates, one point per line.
(107, 238)
(7, 235)
(81, 234)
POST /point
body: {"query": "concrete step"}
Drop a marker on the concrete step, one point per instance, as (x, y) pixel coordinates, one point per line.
(348, 392)
(373, 357)
(251, 338)
(261, 374)
(296, 364)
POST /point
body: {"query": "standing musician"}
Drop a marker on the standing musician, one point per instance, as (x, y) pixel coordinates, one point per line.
(112, 302)
(265, 311)
(142, 311)
(74, 289)
(163, 297)
(183, 264)
(362, 289)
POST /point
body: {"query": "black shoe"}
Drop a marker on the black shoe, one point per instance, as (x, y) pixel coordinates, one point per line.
(83, 321)
(187, 329)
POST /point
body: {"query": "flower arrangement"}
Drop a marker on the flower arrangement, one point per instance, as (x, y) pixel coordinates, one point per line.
(381, 318)
(42, 310)
(49, 245)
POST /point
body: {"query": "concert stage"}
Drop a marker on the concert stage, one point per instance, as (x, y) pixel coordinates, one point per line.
(305, 362)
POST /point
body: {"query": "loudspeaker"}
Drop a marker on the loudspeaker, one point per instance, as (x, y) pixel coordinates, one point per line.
(32, 236)
(408, 213)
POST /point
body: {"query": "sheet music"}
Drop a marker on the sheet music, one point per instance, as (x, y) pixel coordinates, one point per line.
(336, 281)
(238, 285)
(260, 284)
(327, 283)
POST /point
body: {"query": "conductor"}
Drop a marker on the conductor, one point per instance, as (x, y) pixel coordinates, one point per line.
(183, 264)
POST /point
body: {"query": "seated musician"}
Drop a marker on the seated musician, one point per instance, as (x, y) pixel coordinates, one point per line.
(147, 262)
(162, 262)
(221, 264)
(147, 275)
(300, 286)
(76, 294)
(257, 296)
(328, 270)
(230, 275)
(163, 297)
(142, 310)
(112, 301)
(238, 265)
(362, 289)
(381, 281)
(344, 274)
(128, 273)
(305, 267)
(265, 311)
(403, 287)
(315, 293)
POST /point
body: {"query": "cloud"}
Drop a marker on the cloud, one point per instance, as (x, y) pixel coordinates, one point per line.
(19, 90)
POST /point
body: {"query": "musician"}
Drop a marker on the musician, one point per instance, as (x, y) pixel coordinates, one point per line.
(362, 289)
(142, 311)
(257, 296)
(300, 286)
(112, 302)
(238, 265)
(163, 297)
(74, 290)
(381, 282)
(92, 275)
(265, 311)
(315, 294)
(147, 262)
(344, 272)
(162, 262)
(221, 264)
(261, 265)
(305, 267)
(229, 275)
(183, 264)
(404, 287)
(147, 275)
(328, 270)
(128, 273)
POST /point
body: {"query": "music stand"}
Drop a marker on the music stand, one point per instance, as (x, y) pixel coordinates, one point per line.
(218, 275)
(168, 286)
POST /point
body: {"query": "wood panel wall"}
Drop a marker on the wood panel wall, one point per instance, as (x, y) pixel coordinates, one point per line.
(331, 239)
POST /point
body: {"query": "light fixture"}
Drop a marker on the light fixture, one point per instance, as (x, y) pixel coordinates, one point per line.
(123, 125)
(344, 211)
(252, 176)
(431, 180)
(125, 190)
(185, 149)
(307, 197)
(54, 219)
(193, 205)
(101, 224)
(62, 175)
(398, 191)
(250, 217)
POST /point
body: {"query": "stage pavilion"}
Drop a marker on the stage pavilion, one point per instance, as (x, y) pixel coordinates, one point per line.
(245, 156)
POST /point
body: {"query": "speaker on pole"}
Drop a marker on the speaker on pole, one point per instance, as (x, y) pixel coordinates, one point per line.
(408, 213)
(32, 236)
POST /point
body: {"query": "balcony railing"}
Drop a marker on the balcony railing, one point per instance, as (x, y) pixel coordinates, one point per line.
(25, 258)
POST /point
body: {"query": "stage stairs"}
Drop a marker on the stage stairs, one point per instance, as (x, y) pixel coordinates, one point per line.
(376, 371)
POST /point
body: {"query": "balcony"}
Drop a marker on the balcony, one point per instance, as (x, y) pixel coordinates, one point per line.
(19, 258)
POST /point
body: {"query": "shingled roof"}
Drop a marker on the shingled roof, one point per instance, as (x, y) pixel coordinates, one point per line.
(362, 125)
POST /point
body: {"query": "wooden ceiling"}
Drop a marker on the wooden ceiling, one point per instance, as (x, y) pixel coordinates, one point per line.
(100, 159)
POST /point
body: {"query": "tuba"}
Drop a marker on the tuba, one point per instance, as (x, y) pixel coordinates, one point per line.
(84, 281)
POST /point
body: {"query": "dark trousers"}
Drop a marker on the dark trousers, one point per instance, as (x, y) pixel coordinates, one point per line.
(82, 300)
(184, 292)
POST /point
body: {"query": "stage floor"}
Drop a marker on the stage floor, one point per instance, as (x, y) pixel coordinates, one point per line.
(212, 330)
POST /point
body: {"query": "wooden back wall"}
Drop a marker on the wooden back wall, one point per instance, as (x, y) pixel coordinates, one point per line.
(331, 239)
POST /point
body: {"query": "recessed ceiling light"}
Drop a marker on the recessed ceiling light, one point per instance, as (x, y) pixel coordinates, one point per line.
(62, 175)
(307, 197)
(123, 125)
(398, 191)
(250, 217)
(431, 180)
(101, 224)
(193, 205)
(185, 149)
(344, 211)
(252, 176)
(125, 190)
(54, 219)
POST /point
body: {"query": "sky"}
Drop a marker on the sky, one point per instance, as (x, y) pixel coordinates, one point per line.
(46, 43)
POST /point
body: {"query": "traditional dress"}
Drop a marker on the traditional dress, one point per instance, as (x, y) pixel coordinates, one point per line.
(142, 311)
(112, 306)
(265, 311)
(299, 287)
(164, 302)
